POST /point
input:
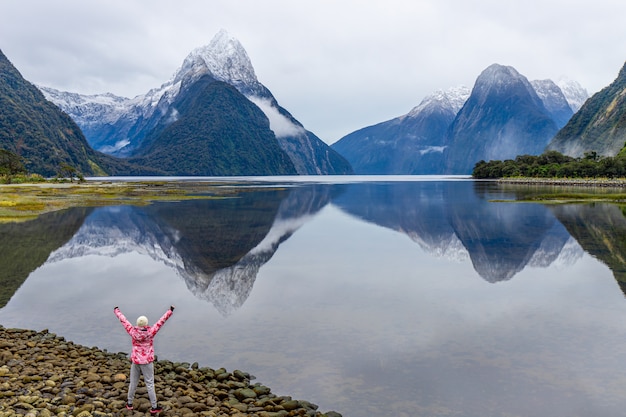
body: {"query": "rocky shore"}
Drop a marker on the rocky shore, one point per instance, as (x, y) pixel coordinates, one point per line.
(42, 374)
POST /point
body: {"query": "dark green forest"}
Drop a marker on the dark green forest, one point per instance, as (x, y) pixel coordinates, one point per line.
(218, 132)
(552, 164)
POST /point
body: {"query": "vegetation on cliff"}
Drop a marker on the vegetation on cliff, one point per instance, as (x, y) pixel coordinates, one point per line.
(599, 125)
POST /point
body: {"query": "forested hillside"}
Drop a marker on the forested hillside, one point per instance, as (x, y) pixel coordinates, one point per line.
(600, 124)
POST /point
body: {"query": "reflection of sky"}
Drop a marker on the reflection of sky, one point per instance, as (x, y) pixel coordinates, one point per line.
(358, 318)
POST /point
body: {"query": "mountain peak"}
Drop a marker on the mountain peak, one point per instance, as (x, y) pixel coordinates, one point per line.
(554, 100)
(496, 77)
(503, 82)
(503, 117)
(224, 58)
(575, 94)
(452, 98)
(497, 72)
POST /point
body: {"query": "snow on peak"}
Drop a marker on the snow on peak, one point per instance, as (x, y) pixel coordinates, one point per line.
(88, 109)
(497, 73)
(452, 98)
(224, 58)
(545, 88)
(574, 93)
(550, 94)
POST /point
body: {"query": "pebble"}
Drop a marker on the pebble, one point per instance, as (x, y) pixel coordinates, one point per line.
(42, 374)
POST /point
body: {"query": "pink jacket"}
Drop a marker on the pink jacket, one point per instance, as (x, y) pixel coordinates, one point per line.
(143, 349)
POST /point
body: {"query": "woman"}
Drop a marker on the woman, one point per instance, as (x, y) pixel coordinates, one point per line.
(142, 355)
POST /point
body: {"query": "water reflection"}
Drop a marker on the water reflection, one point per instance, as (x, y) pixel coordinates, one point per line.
(218, 246)
(26, 246)
(317, 290)
(601, 230)
(452, 220)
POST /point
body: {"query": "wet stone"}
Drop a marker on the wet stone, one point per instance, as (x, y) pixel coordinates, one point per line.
(43, 375)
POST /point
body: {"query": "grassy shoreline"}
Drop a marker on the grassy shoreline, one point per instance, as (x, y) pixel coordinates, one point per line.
(22, 202)
(26, 201)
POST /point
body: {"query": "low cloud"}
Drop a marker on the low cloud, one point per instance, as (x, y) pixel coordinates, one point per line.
(432, 149)
(119, 145)
(280, 125)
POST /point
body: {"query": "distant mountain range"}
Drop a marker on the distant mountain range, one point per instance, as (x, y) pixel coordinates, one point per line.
(504, 115)
(203, 111)
(214, 117)
(411, 144)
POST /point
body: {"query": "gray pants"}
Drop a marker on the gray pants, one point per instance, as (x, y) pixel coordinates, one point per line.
(147, 370)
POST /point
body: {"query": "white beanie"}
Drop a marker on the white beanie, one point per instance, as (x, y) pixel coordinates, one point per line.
(142, 321)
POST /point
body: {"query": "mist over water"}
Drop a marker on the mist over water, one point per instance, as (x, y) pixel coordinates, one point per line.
(400, 297)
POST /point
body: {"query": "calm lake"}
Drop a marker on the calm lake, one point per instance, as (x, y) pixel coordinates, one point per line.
(416, 296)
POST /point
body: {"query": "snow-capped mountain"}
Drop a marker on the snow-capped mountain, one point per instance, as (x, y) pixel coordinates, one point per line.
(575, 94)
(503, 118)
(419, 142)
(451, 99)
(553, 100)
(42, 135)
(118, 125)
(91, 112)
(409, 144)
(225, 59)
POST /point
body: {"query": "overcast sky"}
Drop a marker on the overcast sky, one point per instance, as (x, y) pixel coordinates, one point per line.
(336, 65)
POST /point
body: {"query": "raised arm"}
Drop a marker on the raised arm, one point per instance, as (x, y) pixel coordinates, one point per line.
(154, 329)
(127, 325)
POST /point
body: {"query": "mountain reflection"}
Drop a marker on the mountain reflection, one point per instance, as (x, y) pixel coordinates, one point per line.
(224, 243)
(454, 220)
(217, 246)
(601, 231)
(25, 246)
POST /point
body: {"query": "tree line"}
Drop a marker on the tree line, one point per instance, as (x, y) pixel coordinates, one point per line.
(552, 164)
(12, 167)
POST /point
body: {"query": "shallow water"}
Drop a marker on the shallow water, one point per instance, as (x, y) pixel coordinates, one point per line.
(403, 298)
